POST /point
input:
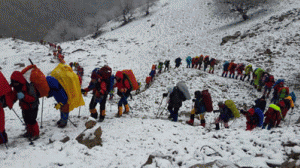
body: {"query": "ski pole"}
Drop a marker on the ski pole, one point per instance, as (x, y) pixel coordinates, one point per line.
(79, 112)
(18, 116)
(162, 110)
(290, 117)
(72, 123)
(42, 113)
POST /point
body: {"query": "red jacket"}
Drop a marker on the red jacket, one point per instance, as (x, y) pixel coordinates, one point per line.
(26, 102)
(123, 85)
(273, 115)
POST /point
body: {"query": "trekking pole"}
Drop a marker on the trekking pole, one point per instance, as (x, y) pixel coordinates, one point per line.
(163, 110)
(79, 112)
(72, 123)
(159, 106)
(18, 116)
(42, 113)
(290, 117)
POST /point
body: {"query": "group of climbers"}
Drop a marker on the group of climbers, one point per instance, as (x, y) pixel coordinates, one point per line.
(198, 60)
(154, 67)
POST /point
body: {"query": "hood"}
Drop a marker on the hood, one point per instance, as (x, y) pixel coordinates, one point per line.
(5, 88)
(119, 74)
(18, 76)
(251, 111)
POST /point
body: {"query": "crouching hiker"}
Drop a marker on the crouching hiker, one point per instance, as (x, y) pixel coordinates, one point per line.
(255, 118)
(202, 104)
(61, 97)
(29, 103)
(178, 94)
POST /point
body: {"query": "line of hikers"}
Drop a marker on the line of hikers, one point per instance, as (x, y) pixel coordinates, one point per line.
(198, 60)
(64, 85)
(228, 111)
(152, 73)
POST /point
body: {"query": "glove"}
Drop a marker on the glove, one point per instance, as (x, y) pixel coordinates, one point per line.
(58, 106)
(165, 94)
(20, 95)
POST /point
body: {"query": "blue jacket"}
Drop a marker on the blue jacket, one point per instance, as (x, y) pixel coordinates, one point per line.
(225, 66)
(57, 90)
(189, 60)
(260, 115)
(226, 114)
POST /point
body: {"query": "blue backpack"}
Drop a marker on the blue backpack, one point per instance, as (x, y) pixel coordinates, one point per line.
(292, 94)
(260, 115)
(278, 81)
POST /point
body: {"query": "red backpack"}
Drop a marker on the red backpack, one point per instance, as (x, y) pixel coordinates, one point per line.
(207, 101)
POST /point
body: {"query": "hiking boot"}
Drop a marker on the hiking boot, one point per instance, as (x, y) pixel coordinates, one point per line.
(62, 124)
(190, 122)
(101, 119)
(58, 122)
(34, 138)
(94, 115)
(202, 123)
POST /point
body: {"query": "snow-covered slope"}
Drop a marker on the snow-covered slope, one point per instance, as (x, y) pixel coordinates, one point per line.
(176, 28)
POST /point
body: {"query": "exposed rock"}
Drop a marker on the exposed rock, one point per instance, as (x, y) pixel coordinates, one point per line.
(268, 51)
(66, 139)
(91, 139)
(290, 164)
(90, 124)
(78, 50)
(216, 163)
(228, 38)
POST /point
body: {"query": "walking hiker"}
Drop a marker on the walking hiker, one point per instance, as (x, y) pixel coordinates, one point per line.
(100, 84)
(240, 68)
(5, 101)
(29, 103)
(61, 97)
(276, 87)
(193, 62)
(225, 69)
(188, 62)
(248, 71)
(124, 89)
(177, 62)
(212, 64)
(255, 118)
(160, 66)
(200, 61)
(202, 104)
(260, 103)
(196, 61)
(167, 65)
(269, 82)
(176, 97)
(272, 116)
(231, 69)
(206, 62)
(257, 79)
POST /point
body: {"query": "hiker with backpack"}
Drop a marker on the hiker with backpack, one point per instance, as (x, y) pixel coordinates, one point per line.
(152, 74)
(5, 101)
(193, 62)
(206, 62)
(124, 88)
(160, 66)
(240, 68)
(177, 62)
(29, 103)
(212, 64)
(101, 83)
(260, 103)
(248, 71)
(272, 115)
(269, 82)
(200, 61)
(255, 118)
(276, 87)
(285, 105)
(231, 69)
(283, 92)
(225, 115)
(167, 65)
(257, 79)
(188, 62)
(202, 104)
(178, 94)
(61, 97)
(225, 69)
(196, 61)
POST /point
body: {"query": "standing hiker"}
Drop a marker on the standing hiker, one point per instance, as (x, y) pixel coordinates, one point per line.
(188, 62)
(212, 64)
(231, 69)
(101, 81)
(200, 61)
(29, 103)
(160, 66)
(206, 62)
(240, 68)
(167, 65)
(124, 89)
(269, 82)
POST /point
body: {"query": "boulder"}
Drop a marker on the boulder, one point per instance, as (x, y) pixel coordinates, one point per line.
(91, 138)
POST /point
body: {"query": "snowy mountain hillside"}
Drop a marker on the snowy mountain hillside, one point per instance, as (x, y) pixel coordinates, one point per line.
(174, 29)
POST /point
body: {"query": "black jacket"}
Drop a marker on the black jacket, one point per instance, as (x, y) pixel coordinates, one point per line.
(176, 98)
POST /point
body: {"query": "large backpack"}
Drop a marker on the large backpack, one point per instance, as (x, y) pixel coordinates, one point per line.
(105, 74)
(184, 89)
(38, 79)
(128, 74)
(260, 115)
(292, 94)
(278, 81)
(207, 101)
(230, 104)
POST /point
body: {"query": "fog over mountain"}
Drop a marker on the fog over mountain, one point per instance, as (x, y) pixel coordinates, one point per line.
(32, 20)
